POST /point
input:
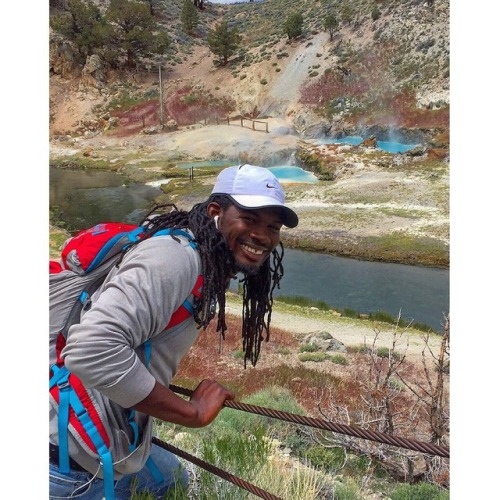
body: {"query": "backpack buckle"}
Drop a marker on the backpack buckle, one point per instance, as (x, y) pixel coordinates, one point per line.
(85, 300)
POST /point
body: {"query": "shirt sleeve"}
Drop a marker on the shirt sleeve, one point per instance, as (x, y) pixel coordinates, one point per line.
(134, 304)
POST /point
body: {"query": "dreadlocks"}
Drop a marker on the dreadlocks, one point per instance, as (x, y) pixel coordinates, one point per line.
(218, 267)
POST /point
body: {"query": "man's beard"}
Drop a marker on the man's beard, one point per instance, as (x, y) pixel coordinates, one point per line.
(247, 270)
(244, 269)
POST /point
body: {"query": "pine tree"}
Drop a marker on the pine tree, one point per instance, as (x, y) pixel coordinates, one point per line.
(135, 30)
(331, 24)
(83, 25)
(189, 16)
(293, 25)
(223, 42)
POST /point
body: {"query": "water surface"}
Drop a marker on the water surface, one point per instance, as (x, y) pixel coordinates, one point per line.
(353, 140)
(86, 198)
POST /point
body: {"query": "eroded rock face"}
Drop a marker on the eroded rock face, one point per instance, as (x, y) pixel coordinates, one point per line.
(93, 73)
(62, 60)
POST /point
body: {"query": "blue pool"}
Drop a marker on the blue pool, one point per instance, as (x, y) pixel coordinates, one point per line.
(387, 146)
(287, 173)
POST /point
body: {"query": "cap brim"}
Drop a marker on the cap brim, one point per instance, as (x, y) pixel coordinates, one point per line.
(288, 216)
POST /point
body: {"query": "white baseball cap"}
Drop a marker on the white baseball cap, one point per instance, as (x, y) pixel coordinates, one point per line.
(251, 186)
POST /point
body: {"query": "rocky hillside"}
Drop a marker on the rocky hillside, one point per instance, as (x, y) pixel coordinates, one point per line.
(375, 75)
(387, 63)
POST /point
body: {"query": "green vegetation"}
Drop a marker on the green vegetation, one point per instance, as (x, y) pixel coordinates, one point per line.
(331, 24)
(84, 25)
(189, 16)
(241, 443)
(303, 302)
(127, 28)
(422, 491)
(223, 42)
(318, 357)
(293, 25)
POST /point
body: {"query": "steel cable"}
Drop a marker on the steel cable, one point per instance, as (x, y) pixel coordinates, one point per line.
(350, 430)
(215, 470)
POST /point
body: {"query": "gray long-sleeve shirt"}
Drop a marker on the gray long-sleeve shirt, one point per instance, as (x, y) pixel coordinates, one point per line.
(105, 350)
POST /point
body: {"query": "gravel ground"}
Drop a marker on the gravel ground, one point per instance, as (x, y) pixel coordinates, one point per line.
(350, 332)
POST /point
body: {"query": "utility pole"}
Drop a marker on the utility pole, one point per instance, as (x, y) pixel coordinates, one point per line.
(161, 97)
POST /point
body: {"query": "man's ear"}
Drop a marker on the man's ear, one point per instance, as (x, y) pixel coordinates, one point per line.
(214, 209)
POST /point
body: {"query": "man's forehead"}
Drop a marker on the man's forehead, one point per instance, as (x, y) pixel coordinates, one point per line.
(272, 212)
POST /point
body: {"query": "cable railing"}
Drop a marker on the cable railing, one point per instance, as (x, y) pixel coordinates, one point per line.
(350, 430)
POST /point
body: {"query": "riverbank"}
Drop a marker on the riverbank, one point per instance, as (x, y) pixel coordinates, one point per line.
(380, 206)
(300, 321)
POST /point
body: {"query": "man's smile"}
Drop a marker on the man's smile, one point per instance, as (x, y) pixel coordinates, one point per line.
(253, 250)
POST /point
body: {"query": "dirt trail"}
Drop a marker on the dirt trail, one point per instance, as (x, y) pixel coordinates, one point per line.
(349, 332)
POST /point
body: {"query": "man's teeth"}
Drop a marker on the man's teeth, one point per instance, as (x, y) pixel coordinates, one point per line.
(252, 250)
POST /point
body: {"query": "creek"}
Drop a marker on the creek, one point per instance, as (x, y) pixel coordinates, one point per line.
(85, 198)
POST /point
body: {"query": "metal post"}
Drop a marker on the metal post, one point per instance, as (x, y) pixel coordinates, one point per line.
(161, 97)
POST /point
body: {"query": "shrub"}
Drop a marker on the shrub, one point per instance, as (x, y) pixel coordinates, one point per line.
(383, 352)
(338, 359)
(238, 354)
(317, 357)
(375, 13)
(421, 491)
(348, 491)
(283, 350)
(327, 459)
(309, 348)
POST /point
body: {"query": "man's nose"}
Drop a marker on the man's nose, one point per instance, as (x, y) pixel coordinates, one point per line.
(261, 233)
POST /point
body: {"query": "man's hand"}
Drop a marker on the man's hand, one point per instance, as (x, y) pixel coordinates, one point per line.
(205, 404)
(208, 398)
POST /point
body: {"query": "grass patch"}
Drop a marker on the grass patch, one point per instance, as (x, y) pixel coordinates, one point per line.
(319, 357)
(421, 491)
(84, 163)
(385, 352)
(308, 348)
(57, 236)
(303, 302)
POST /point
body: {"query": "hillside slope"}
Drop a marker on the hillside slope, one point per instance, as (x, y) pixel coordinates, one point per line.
(405, 49)
(393, 208)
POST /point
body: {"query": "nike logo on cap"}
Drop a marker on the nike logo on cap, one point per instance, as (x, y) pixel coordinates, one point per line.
(267, 185)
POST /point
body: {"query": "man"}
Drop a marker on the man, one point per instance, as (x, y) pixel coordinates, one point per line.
(126, 347)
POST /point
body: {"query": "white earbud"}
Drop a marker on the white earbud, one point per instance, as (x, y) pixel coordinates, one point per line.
(216, 222)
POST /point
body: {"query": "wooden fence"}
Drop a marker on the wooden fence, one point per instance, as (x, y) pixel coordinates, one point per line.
(244, 122)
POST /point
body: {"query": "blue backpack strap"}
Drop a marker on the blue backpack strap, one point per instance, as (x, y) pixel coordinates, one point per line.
(67, 398)
(132, 237)
(102, 449)
(61, 378)
(177, 232)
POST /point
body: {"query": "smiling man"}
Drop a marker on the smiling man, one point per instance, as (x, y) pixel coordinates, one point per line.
(165, 289)
(251, 217)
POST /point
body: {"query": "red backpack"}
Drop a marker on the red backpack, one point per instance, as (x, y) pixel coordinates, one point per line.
(86, 259)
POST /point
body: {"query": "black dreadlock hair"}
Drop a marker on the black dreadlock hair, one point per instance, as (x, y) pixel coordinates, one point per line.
(218, 267)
